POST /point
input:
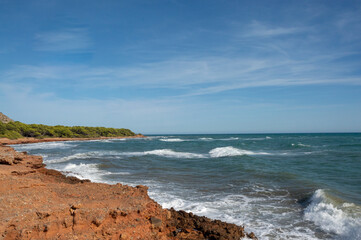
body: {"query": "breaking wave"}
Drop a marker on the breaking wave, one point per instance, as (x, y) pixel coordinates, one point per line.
(334, 217)
(77, 156)
(214, 153)
(206, 139)
(85, 171)
(229, 139)
(166, 153)
(300, 145)
(43, 145)
(231, 151)
(172, 140)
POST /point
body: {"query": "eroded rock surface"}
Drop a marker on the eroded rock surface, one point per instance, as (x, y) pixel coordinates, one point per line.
(38, 203)
(4, 118)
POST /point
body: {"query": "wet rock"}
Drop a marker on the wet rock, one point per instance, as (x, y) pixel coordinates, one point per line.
(210, 229)
(252, 236)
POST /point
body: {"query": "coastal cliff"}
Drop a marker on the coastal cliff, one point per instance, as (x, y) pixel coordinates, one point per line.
(4, 118)
(39, 203)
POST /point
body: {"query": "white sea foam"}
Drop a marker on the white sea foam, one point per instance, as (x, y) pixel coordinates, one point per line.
(43, 145)
(332, 218)
(229, 139)
(85, 171)
(256, 138)
(300, 145)
(118, 139)
(153, 137)
(260, 212)
(165, 153)
(77, 156)
(172, 140)
(231, 151)
(171, 153)
(214, 153)
(206, 139)
(108, 140)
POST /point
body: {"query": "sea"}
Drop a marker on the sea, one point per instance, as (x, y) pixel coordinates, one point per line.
(279, 186)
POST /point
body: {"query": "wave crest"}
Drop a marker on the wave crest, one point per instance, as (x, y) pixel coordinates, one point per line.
(231, 151)
(43, 145)
(171, 153)
(84, 155)
(172, 140)
(85, 171)
(332, 218)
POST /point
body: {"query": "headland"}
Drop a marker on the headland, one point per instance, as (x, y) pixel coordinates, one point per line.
(40, 203)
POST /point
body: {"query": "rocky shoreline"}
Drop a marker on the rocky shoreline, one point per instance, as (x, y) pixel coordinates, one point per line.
(5, 141)
(40, 203)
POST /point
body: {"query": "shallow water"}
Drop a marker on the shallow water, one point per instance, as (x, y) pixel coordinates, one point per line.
(280, 186)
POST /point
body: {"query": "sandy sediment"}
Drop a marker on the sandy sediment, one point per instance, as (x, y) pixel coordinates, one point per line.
(39, 203)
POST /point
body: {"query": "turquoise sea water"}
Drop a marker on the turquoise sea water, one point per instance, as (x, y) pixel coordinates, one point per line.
(280, 186)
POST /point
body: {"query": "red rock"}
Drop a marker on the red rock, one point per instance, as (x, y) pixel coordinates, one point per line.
(44, 204)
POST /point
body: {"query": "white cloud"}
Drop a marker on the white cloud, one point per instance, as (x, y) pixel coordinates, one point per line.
(193, 76)
(348, 26)
(257, 29)
(63, 40)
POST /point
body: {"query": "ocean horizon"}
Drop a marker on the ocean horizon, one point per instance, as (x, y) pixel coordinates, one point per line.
(279, 185)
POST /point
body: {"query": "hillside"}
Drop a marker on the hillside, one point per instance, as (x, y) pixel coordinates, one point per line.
(13, 130)
(4, 118)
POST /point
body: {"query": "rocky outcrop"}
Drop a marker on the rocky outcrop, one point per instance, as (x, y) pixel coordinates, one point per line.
(6, 141)
(38, 203)
(4, 118)
(184, 223)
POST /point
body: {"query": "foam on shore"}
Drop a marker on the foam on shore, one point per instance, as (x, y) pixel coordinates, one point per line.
(87, 171)
(43, 145)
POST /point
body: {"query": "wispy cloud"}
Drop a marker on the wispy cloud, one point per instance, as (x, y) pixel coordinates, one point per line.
(63, 40)
(254, 55)
(258, 29)
(349, 26)
(193, 76)
(164, 116)
(137, 115)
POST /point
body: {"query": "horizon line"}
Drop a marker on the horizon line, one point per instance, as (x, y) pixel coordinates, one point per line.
(252, 133)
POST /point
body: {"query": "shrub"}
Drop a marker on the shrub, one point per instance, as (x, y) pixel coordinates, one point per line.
(15, 130)
(11, 135)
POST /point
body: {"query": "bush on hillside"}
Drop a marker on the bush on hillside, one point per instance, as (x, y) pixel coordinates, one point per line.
(15, 130)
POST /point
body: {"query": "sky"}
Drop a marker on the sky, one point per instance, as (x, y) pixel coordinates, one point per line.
(159, 67)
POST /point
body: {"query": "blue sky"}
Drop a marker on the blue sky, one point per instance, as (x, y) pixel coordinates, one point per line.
(183, 66)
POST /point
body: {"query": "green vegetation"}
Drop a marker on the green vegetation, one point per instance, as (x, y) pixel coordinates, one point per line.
(14, 130)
